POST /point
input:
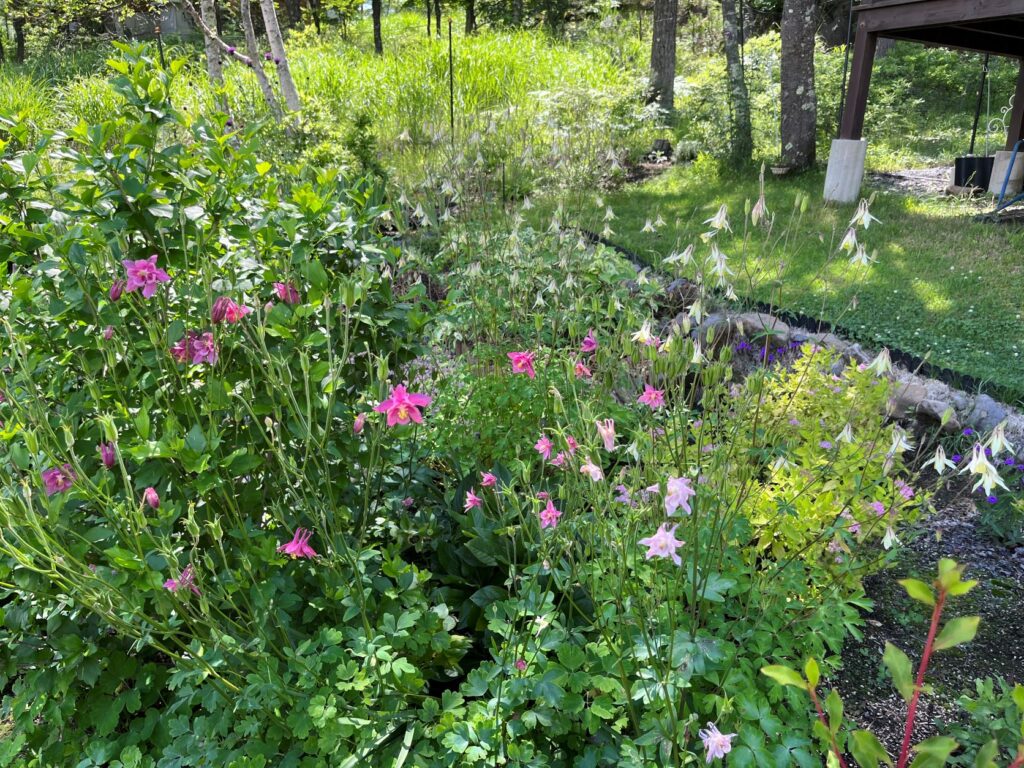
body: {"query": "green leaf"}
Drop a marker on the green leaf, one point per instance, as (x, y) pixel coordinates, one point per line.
(898, 664)
(919, 591)
(195, 439)
(834, 707)
(867, 750)
(958, 631)
(962, 587)
(934, 752)
(986, 757)
(812, 673)
(784, 675)
(1018, 697)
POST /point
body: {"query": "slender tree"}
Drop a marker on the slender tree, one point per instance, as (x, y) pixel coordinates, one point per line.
(799, 100)
(742, 141)
(429, 11)
(251, 48)
(378, 41)
(276, 40)
(470, 17)
(437, 17)
(663, 54)
(208, 12)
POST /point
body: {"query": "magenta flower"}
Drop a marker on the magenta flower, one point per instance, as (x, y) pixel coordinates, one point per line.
(116, 289)
(488, 479)
(225, 310)
(716, 743)
(559, 460)
(655, 398)
(403, 406)
(299, 545)
(287, 293)
(407, 502)
(359, 423)
(108, 333)
(521, 664)
(589, 344)
(593, 471)
(678, 493)
(549, 516)
(606, 429)
(522, 362)
(544, 446)
(58, 479)
(144, 275)
(182, 349)
(472, 500)
(204, 349)
(663, 544)
(573, 445)
(107, 454)
(878, 507)
(151, 497)
(582, 372)
(187, 580)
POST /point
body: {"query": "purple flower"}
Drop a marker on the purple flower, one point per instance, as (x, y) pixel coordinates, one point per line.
(956, 458)
(187, 580)
(58, 479)
(151, 498)
(108, 333)
(716, 743)
(968, 432)
(107, 454)
(992, 499)
(117, 289)
(299, 545)
(826, 445)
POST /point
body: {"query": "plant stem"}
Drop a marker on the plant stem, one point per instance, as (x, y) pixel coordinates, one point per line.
(912, 711)
(824, 722)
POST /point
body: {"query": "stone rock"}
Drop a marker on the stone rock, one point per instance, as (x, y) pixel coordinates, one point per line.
(720, 329)
(760, 323)
(986, 414)
(906, 398)
(960, 401)
(934, 410)
(680, 295)
(801, 336)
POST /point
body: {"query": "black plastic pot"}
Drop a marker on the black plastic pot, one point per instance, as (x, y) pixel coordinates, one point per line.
(972, 171)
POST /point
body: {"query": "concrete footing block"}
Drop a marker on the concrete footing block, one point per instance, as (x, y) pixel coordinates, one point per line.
(999, 166)
(845, 170)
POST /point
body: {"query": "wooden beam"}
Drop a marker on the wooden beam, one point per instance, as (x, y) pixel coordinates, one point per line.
(1015, 132)
(852, 126)
(963, 39)
(881, 19)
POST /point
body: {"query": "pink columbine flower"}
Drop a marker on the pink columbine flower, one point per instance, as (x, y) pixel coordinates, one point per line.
(573, 445)
(359, 423)
(549, 516)
(589, 344)
(592, 470)
(522, 362)
(58, 479)
(151, 497)
(107, 454)
(204, 349)
(116, 289)
(407, 502)
(582, 372)
(472, 500)
(187, 580)
(559, 460)
(544, 446)
(182, 349)
(287, 293)
(488, 479)
(678, 493)
(663, 544)
(716, 743)
(906, 491)
(225, 310)
(655, 398)
(606, 429)
(108, 333)
(521, 664)
(403, 406)
(299, 545)
(144, 275)
(543, 495)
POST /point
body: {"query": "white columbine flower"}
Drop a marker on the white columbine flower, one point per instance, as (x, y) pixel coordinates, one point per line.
(889, 540)
(608, 214)
(698, 355)
(863, 217)
(527, 205)
(648, 226)
(900, 442)
(644, 335)
(939, 462)
(720, 220)
(849, 241)
(846, 436)
(860, 256)
(997, 440)
(988, 475)
(882, 364)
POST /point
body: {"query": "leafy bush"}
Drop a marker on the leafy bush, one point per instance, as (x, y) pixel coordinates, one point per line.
(996, 711)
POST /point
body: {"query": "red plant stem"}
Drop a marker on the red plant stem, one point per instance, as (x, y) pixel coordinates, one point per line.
(824, 722)
(908, 729)
(1019, 761)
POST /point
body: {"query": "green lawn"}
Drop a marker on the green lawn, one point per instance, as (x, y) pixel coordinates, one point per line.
(944, 286)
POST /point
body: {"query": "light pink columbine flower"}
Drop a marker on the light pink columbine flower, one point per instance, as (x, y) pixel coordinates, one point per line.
(906, 491)
(624, 496)
(544, 446)
(606, 429)
(359, 423)
(108, 333)
(559, 460)
(549, 516)
(403, 406)
(287, 293)
(108, 455)
(570, 441)
(522, 362)
(678, 493)
(116, 289)
(589, 344)
(716, 743)
(582, 372)
(187, 580)
(472, 500)
(58, 479)
(488, 479)
(151, 498)
(204, 349)
(663, 544)
(655, 398)
(592, 470)
(299, 545)
(144, 275)
(225, 310)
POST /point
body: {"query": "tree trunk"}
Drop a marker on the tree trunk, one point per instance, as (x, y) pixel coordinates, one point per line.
(663, 54)
(742, 141)
(19, 39)
(470, 17)
(252, 49)
(314, 11)
(208, 12)
(799, 101)
(517, 12)
(284, 73)
(378, 42)
(437, 17)
(428, 19)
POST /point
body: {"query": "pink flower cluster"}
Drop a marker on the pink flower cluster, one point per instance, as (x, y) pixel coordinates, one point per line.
(143, 275)
(196, 348)
(58, 479)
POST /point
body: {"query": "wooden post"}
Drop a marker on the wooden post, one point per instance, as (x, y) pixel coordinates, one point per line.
(860, 80)
(1015, 131)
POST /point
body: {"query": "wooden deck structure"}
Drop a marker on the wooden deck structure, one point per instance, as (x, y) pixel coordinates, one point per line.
(986, 26)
